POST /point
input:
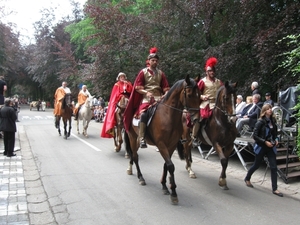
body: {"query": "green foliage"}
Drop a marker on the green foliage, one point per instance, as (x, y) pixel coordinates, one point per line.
(291, 63)
(81, 34)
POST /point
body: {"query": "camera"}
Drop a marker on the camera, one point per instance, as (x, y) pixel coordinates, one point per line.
(273, 142)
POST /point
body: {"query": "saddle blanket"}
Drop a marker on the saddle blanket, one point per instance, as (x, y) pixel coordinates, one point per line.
(135, 122)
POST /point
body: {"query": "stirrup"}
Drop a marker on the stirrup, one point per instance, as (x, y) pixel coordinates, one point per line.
(143, 143)
(195, 142)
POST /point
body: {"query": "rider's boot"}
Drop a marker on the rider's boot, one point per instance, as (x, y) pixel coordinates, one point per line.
(56, 122)
(76, 116)
(196, 128)
(142, 135)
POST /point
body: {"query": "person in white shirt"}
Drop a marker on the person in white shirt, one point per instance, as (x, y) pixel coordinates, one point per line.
(240, 105)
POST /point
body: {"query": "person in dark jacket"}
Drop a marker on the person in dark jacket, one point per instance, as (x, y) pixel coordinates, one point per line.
(250, 114)
(265, 136)
(8, 119)
(254, 88)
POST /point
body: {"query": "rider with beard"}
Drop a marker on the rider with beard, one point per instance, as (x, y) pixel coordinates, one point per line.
(149, 86)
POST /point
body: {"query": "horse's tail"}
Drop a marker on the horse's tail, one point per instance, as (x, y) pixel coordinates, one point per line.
(127, 144)
(180, 150)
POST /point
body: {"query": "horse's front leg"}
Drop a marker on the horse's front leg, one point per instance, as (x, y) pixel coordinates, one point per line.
(171, 169)
(86, 127)
(224, 164)
(188, 157)
(163, 180)
(65, 129)
(77, 125)
(57, 124)
(118, 138)
(70, 126)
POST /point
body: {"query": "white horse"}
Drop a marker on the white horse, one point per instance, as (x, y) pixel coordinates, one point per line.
(85, 114)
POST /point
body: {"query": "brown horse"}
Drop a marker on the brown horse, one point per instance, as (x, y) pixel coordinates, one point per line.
(66, 115)
(218, 131)
(165, 129)
(119, 127)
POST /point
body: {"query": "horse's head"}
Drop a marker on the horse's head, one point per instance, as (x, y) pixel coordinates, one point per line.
(184, 94)
(225, 100)
(67, 100)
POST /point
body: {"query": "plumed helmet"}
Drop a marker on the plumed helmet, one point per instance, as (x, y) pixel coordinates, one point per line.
(210, 64)
(153, 53)
(121, 74)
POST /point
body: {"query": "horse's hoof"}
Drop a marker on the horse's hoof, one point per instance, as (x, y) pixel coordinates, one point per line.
(166, 192)
(129, 172)
(174, 200)
(142, 182)
(224, 187)
(117, 149)
(193, 176)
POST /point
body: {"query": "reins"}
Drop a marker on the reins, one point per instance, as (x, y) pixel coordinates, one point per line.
(185, 108)
(223, 106)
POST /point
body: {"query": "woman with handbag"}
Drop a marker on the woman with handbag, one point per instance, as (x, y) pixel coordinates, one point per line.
(265, 136)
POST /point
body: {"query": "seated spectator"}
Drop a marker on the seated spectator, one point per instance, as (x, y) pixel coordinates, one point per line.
(246, 108)
(97, 113)
(268, 99)
(240, 104)
(101, 114)
(250, 116)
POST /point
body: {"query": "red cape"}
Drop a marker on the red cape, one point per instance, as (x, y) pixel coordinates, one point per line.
(109, 121)
(133, 105)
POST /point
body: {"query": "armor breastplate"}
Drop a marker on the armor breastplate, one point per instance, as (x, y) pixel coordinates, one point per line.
(152, 84)
(210, 90)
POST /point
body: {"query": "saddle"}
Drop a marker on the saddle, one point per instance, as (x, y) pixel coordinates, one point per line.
(149, 114)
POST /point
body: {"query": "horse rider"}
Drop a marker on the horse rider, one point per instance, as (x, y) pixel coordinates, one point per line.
(122, 87)
(59, 96)
(208, 87)
(81, 98)
(149, 86)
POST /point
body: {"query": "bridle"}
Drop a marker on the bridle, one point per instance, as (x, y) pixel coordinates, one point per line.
(185, 107)
(223, 106)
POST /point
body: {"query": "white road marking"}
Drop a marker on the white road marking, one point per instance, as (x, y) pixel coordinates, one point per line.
(85, 142)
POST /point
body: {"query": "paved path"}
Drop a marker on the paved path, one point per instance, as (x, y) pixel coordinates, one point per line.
(23, 200)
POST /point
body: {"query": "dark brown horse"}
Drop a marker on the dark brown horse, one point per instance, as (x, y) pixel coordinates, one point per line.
(119, 127)
(66, 115)
(218, 131)
(165, 129)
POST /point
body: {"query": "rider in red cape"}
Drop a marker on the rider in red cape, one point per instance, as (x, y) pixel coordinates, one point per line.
(149, 86)
(208, 87)
(121, 87)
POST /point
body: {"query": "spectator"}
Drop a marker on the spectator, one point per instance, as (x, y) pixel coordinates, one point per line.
(240, 105)
(266, 140)
(8, 119)
(250, 117)
(101, 102)
(254, 88)
(3, 88)
(268, 99)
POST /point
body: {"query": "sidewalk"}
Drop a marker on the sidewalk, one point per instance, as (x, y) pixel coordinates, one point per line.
(23, 200)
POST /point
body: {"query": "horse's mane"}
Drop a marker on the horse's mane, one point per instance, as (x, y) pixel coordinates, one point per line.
(228, 88)
(64, 103)
(178, 84)
(219, 92)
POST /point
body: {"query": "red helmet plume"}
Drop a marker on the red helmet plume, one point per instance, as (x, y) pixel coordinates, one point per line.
(153, 53)
(210, 63)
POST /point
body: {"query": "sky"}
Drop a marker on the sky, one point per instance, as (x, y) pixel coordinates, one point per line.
(26, 12)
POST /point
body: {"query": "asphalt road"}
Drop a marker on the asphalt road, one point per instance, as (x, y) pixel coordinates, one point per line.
(86, 182)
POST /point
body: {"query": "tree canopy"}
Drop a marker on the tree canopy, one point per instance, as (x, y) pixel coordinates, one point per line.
(247, 38)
